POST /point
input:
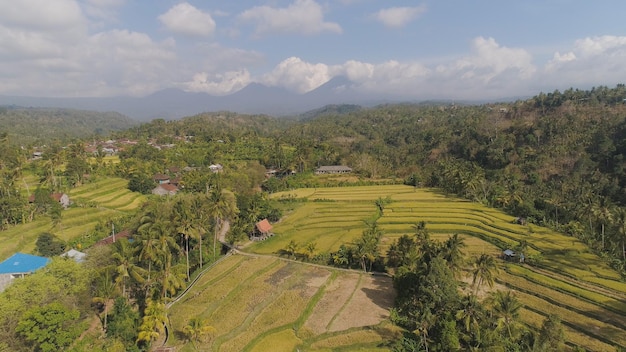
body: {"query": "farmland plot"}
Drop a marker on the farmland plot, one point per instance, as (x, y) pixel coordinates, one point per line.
(568, 278)
(255, 302)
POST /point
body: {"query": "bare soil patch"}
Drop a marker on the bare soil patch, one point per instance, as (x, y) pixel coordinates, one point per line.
(369, 305)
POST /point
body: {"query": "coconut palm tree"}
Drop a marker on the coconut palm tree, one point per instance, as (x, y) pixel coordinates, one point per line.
(222, 206)
(603, 212)
(196, 329)
(469, 316)
(153, 323)
(185, 223)
(104, 292)
(506, 307)
(484, 270)
(127, 267)
(453, 254)
(620, 222)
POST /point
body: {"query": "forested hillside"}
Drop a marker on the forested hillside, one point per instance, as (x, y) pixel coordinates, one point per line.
(42, 125)
(555, 160)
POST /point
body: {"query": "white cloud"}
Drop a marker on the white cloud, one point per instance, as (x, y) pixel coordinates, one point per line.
(41, 14)
(188, 20)
(219, 83)
(592, 61)
(399, 16)
(303, 17)
(33, 29)
(357, 71)
(298, 75)
(116, 62)
(105, 10)
(602, 45)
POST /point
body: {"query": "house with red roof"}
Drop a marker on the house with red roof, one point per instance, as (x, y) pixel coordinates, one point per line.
(262, 231)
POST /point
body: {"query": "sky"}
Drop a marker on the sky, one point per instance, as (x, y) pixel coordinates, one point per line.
(433, 49)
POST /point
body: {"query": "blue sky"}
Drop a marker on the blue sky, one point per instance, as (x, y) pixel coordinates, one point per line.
(411, 49)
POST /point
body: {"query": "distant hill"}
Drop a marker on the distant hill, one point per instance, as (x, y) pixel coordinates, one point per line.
(329, 110)
(40, 125)
(252, 99)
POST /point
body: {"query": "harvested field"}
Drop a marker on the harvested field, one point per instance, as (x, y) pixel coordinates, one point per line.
(255, 302)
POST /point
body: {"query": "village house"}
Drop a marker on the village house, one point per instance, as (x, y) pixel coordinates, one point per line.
(161, 178)
(77, 256)
(18, 266)
(165, 189)
(215, 168)
(262, 230)
(114, 237)
(61, 198)
(333, 169)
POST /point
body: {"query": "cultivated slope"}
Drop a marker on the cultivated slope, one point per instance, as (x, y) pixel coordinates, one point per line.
(567, 278)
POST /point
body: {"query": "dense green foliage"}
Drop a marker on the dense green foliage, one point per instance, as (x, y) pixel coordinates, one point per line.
(28, 126)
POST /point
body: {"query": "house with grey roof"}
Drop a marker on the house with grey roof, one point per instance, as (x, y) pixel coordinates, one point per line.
(333, 169)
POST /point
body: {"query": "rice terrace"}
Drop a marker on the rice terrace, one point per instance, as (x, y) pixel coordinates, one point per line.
(97, 201)
(260, 301)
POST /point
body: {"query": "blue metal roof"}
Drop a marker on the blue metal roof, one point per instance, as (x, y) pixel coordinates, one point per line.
(20, 263)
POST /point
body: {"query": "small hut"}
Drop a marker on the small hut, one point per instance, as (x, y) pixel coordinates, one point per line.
(262, 230)
(508, 255)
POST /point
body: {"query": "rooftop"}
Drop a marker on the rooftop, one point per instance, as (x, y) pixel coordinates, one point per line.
(264, 226)
(20, 263)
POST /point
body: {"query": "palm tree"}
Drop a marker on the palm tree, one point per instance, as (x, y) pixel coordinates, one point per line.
(185, 223)
(603, 212)
(426, 321)
(126, 264)
(197, 328)
(470, 316)
(620, 221)
(506, 307)
(198, 206)
(292, 248)
(453, 254)
(310, 248)
(484, 270)
(153, 323)
(105, 290)
(222, 206)
(147, 246)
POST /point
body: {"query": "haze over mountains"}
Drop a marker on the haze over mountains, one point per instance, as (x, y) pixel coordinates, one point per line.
(253, 99)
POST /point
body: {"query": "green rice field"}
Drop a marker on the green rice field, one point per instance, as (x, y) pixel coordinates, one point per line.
(568, 279)
(93, 202)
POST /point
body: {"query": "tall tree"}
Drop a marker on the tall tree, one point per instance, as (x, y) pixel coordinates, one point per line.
(153, 324)
(484, 270)
(222, 207)
(185, 223)
(505, 307)
(127, 267)
(551, 336)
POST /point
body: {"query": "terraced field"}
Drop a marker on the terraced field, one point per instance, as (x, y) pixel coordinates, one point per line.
(98, 201)
(569, 279)
(270, 304)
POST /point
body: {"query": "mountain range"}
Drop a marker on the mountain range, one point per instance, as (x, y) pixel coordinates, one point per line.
(174, 103)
